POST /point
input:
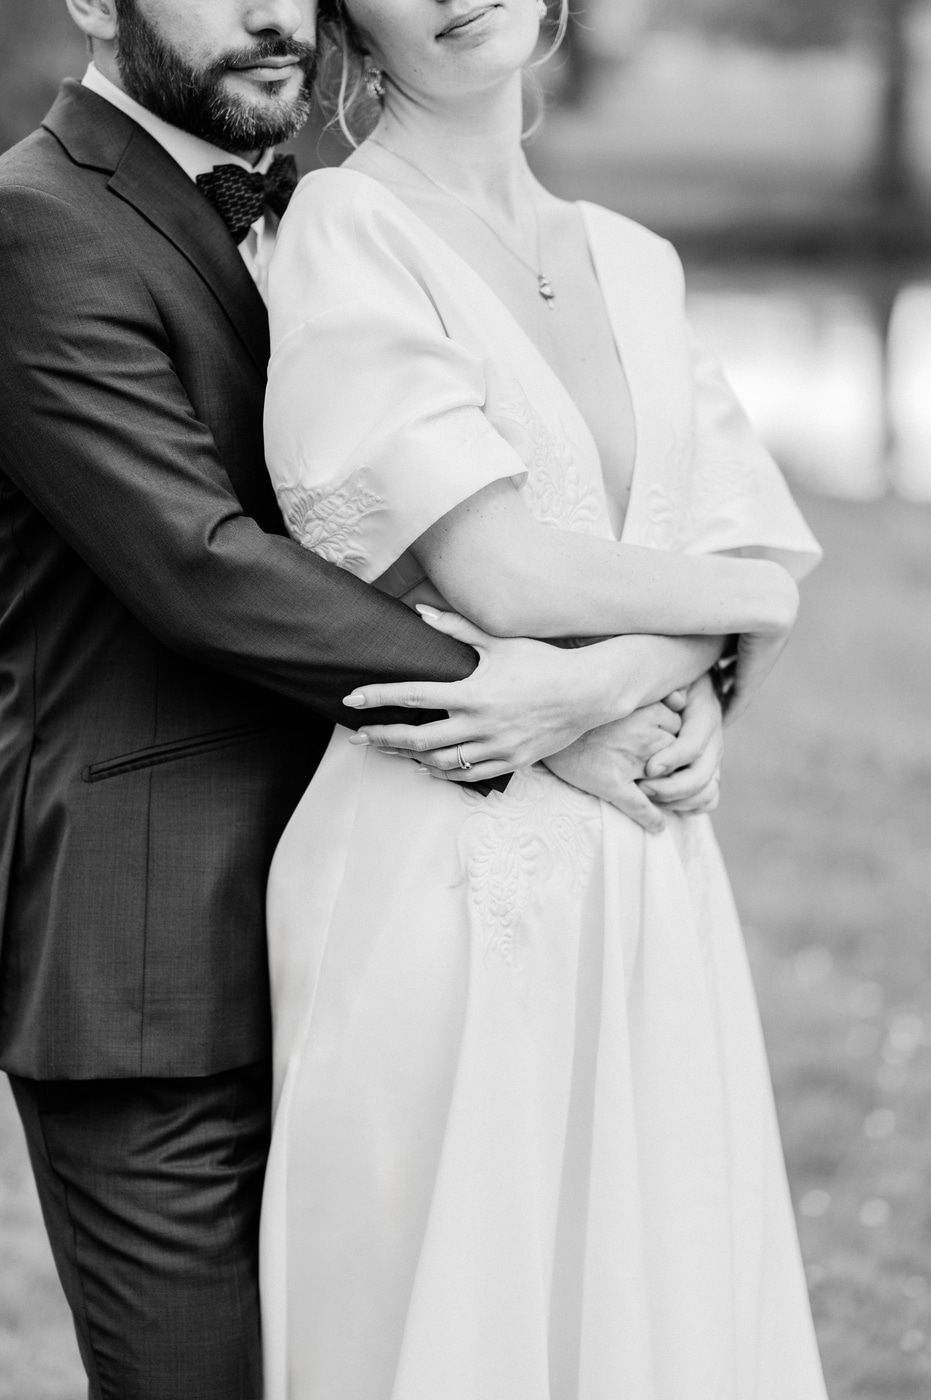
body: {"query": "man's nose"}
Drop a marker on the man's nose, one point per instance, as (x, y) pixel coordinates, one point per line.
(281, 17)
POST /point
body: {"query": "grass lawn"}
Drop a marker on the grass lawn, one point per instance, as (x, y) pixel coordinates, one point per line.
(826, 824)
(38, 1354)
(827, 830)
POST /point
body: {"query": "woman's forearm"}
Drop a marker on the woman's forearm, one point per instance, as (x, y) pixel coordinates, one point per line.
(517, 577)
(660, 665)
(622, 674)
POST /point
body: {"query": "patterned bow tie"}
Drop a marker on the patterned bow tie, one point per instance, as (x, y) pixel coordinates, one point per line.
(240, 196)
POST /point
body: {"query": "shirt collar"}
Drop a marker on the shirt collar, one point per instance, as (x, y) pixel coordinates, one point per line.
(195, 156)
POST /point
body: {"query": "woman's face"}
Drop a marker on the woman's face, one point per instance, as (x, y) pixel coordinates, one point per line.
(438, 48)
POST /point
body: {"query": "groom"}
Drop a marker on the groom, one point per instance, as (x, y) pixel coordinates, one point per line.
(170, 668)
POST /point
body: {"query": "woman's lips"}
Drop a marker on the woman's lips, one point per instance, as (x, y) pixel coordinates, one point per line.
(463, 21)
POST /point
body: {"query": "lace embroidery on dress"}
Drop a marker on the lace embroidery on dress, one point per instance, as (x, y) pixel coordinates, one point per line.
(555, 490)
(695, 489)
(326, 518)
(539, 828)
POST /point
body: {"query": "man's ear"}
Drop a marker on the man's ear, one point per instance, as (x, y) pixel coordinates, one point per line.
(97, 18)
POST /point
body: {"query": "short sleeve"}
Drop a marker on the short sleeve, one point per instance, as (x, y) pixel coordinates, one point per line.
(375, 422)
(739, 498)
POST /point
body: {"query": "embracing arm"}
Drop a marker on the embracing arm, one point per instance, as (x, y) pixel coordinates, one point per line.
(517, 577)
(99, 433)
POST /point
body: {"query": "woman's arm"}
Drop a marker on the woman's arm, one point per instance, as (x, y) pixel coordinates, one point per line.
(514, 576)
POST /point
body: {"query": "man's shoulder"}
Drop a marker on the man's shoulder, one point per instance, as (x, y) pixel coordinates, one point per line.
(49, 207)
(58, 207)
(41, 185)
(64, 239)
(70, 158)
(38, 162)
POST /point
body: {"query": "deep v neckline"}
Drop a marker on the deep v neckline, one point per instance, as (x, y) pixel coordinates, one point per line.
(518, 330)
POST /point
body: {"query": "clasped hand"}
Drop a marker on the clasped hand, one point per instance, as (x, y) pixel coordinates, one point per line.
(527, 701)
(665, 757)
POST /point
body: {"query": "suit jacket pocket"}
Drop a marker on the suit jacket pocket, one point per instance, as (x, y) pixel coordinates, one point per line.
(168, 752)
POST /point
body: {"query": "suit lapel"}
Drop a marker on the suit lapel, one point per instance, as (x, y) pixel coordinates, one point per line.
(164, 195)
(97, 134)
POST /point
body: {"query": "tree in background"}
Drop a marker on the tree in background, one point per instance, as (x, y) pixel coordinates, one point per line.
(892, 175)
(883, 25)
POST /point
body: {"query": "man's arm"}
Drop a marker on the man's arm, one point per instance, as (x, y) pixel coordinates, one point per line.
(98, 433)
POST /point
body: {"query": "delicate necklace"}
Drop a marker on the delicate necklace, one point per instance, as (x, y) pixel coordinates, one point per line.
(544, 285)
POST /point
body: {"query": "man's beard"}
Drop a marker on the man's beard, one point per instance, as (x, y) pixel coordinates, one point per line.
(193, 98)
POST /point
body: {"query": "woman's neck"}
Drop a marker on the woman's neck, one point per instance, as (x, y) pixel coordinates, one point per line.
(472, 147)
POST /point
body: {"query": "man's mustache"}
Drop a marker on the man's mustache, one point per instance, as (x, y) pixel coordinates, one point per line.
(304, 54)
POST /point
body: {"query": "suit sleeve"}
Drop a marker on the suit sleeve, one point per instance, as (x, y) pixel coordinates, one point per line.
(98, 432)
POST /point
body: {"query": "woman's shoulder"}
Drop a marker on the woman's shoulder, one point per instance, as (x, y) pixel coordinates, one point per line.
(623, 232)
(348, 219)
(341, 185)
(628, 254)
(340, 195)
(345, 238)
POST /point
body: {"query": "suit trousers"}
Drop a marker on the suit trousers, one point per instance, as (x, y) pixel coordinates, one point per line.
(151, 1191)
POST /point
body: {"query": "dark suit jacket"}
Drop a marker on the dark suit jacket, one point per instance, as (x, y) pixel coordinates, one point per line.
(170, 663)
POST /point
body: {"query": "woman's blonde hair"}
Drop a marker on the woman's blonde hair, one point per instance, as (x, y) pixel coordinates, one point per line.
(345, 85)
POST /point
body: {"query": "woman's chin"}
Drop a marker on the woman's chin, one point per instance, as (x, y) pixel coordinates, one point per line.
(497, 45)
(479, 71)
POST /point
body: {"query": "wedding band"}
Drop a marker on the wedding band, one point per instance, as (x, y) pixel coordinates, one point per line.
(464, 763)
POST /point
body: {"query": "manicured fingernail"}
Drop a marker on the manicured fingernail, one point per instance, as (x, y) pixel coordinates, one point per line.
(656, 770)
(421, 769)
(650, 791)
(355, 701)
(426, 612)
(359, 739)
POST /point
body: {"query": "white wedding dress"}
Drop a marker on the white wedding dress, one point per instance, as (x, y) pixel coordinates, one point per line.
(524, 1143)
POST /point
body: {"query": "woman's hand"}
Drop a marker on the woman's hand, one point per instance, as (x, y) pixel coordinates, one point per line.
(685, 776)
(523, 701)
(607, 761)
(664, 758)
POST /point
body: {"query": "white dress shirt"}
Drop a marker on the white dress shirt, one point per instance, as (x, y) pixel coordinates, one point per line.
(197, 157)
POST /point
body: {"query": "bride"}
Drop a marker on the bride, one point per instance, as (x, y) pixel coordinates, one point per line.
(524, 1144)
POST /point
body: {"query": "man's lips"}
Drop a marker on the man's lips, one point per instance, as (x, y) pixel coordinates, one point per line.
(461, 21)
(264, 65)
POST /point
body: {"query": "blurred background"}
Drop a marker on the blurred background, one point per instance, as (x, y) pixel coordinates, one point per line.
(785, 146)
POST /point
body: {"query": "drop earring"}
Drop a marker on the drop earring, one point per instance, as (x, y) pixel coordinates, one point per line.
(541, 8)
(375, 83)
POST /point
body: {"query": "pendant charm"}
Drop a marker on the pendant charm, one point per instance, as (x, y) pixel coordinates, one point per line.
(545, 288)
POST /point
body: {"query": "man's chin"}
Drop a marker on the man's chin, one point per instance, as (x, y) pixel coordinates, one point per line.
(250, 115)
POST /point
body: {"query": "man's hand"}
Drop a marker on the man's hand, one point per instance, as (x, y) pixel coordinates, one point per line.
(526, 700)
(607, 761)
(685, 776)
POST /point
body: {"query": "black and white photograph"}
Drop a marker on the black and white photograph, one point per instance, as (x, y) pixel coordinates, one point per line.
(465, 675)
